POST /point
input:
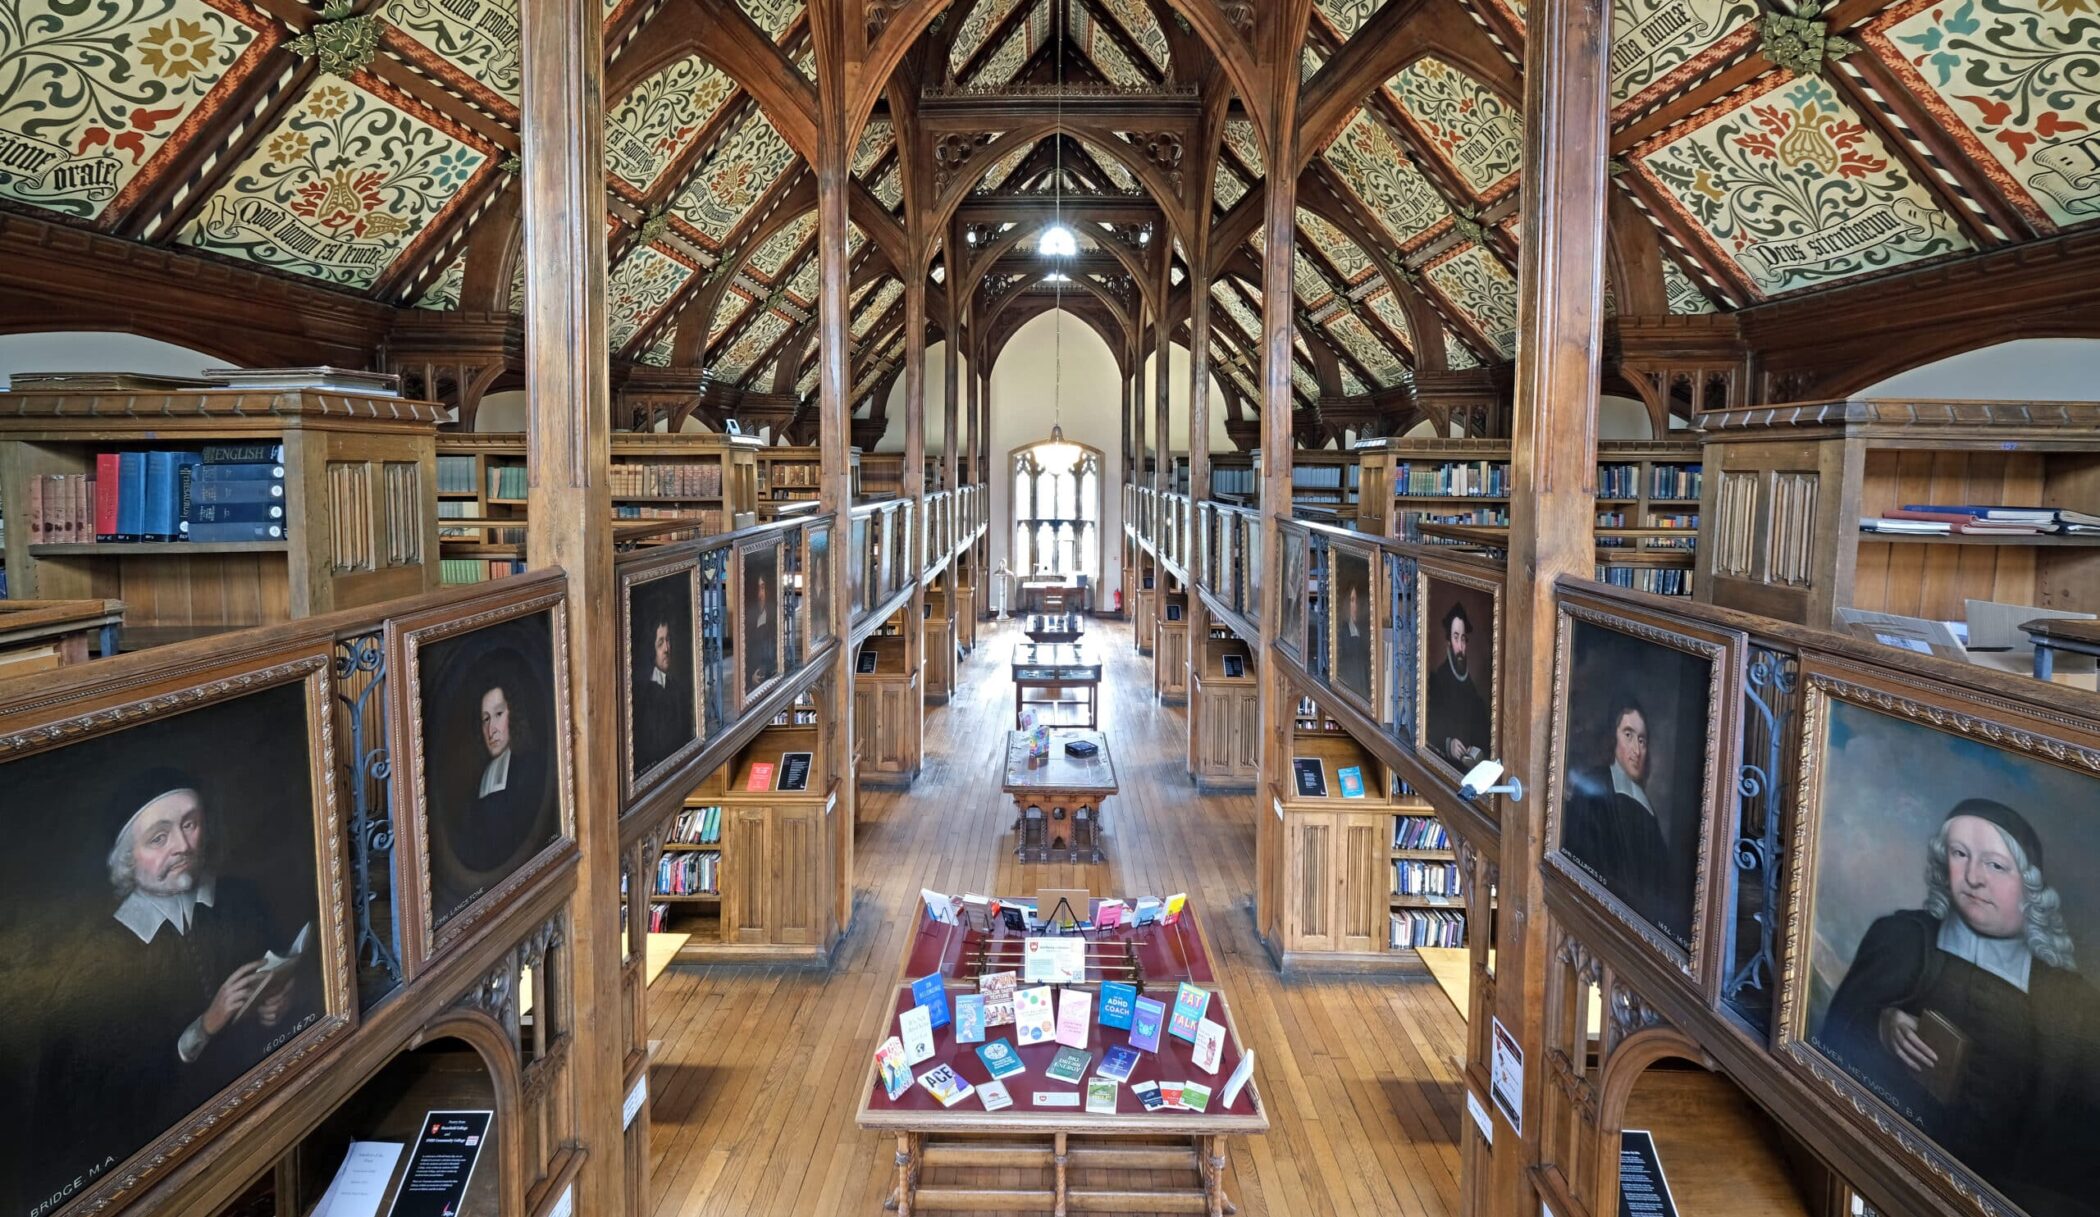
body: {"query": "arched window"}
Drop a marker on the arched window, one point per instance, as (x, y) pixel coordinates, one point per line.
(1057, 509)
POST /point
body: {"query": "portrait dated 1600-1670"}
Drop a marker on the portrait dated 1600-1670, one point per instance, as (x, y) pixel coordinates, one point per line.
(161, 931)
(491, 770)
(1635, 747)
(759, 607)
(1956, 898)
(1292, 630)
(1355, 621)
(1458, 670)
(662, 694)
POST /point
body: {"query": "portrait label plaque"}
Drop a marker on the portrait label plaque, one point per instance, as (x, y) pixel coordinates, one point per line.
(447, 1149)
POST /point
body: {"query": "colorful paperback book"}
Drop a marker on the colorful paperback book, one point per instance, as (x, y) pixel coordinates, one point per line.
(969, 1018)
(943, 1083)
(994, 1095)
(1147, 911)
(916, 1027)
(1189, 1004)
(1054, 961)
(1195, 1096)
(761, 776)
(1117, 1062)
(1069, 1065)
(1000, 1059)
(931, 991)
(1210, 1045)
(1351, 779)
(1101, 1096)
(1242, 1073)
(1170, 1093)
(1109, 915)
(1075, 1009)
(998, 991)
(1148, 1094)
(894, 1070)
(1118, 1002)
(1034, 1022)
(1145, 1023)
(1175, 903)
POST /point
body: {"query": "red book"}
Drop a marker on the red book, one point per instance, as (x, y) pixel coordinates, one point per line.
(761, 776)
(106, 496)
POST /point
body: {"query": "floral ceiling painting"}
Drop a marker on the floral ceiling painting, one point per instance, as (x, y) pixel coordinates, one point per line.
(1353, 336)
(746, 349)
(983, 18)
(1138, 22)
(1788, 184)
(1658, 44)
(478, 38)
(638, 289)
(89, 99)
(341, 187)
(2019, 84)
(1475, 132)
(1387, 307)
(1348, 16)
(1370, 162)
(772, 16)
(651, 126)
(1352, 262)
(1479, 286)
(747, 164)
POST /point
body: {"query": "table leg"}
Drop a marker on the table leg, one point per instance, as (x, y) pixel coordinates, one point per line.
(907, 1174)
(1059, 1157)
(1212, 1152)
(2044, 662)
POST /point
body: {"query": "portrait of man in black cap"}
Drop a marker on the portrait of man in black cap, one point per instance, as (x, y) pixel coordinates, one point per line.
(1455, 711)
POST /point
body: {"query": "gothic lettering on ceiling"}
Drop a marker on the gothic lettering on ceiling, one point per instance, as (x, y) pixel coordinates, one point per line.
(1683, 294)
(91, 97)
(1353, 264)
(648, 129)
(1369, 161)
(343, 184)
(478, 38)
(1478, 135)
(1658, 46)
(2018, 84)
(1787, 183)
(639, 288)
(1482, 289)
(736, 176)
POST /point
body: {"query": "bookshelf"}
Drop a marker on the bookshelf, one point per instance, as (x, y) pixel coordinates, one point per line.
(1326, 478)
(360, 504)
(787, 476)
(1791, 482)
(886, 712)
(880, 476)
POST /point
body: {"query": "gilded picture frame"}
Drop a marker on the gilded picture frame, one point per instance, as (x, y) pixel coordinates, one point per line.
(760, 616)
(638, 574)
(1353, 623)
(1470, 586)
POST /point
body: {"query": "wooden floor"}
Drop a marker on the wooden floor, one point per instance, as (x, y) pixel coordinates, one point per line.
(758, 1073)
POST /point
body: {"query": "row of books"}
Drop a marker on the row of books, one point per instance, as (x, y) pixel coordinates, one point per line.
(1675, 481)
(1243, 482)
(804, 474)
(1420, 832)
(1428, 928)
(1916, 519)
(506, 482)
(1415, 877)
(1453, 479)
(1490, 517)
(477, 570)
(697, 826)
(455, 474)
(659, 918)
(222, 492)
(1645, 579)
(686, 480)
(707, 520)
(689, 875)
(1320, 477)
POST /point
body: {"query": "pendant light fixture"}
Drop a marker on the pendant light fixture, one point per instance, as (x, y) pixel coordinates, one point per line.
(1058, 242)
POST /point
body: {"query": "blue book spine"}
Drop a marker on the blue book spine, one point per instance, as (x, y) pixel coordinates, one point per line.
(208, 491)
(205, 533)
(131, 496)
(235, 513)
(163, 496)
(250, 472)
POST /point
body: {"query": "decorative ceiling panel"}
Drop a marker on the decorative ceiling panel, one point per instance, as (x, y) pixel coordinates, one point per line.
(1313, 289)
(876, 139)
(1787, 182)
(772, 16)
(1304, 381)
(983, 19)
(660, 119)
(1480, 137)
(889, 187)
(1118, 173)
(90, 94)
(803, 287)
(734, 305)
(1108, 55)
(659, 353)
(1245, 318)
(1684, 295)
(1457, 355)
(1668, 42)
(769, 258)
(443, 292)
(2018, 84)
(1136, 18)
(740, 171)
(878, 304)
(1245, 143)
(1480, 287)
(1309, 61)
(478, 38)
(1387, 306)
(1369, 161)
(1004, 167)
(1226, 187)
(1006, 62)
(1352, 384)
(342, 186)
(1353, 336)
(1355, 265)
(808, 384)
(1348, 16)
(638, 289)
(757, 338)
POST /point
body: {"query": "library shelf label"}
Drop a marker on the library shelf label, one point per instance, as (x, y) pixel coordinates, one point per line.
(636, 1099)
(794, 770)
(359, 1186)
(1506, 1072)
(443, 1162)
(1478, 1110)
(1643, 1189)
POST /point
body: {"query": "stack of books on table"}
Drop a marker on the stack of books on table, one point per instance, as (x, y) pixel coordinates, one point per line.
(1940, 520)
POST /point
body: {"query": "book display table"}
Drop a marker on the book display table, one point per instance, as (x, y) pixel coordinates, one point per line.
(1057, 798)
(1053, 627)
(1045, 672)
(1130, 1160)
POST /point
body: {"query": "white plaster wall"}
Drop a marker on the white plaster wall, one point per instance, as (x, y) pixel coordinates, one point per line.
(2026, 369)
(936, 403)
(79, 351)
(1022, 392)
(502, 412)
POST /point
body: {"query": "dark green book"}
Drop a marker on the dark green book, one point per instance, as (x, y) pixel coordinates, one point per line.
(1069, 1065)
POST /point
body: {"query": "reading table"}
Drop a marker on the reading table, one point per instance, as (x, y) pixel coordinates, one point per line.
(1057, 797)
(1048, 670)
(1133, 1160)
(1053, 627)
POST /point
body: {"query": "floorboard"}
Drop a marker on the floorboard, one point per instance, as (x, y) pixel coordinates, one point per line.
(757, 1076)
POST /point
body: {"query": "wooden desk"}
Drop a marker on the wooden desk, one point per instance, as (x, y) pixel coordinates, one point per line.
(1054, 627)
(1057, 798)
(1132, 1161)
(1051, 670)
(2053, 634)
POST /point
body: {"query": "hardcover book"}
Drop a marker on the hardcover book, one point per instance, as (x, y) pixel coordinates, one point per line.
(1069, 1065)
(994, 1096)
(1117, 1062)
(1145, 1023)
(1000, 1059)
(969, 1018)
(1189, 1004)
(1351, 779)
(1075, 1009)
(1034, 1022)
(916, 1027)
(1175, 903)
(891, 1066)
(761, 776)
(1118, 1003)
(1101, 1096)
(931, 992)
(1210, 1045)
(998, 991)
(943, 1083)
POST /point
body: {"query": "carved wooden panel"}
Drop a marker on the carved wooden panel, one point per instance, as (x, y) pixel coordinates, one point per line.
(350, 544)
(1735, 525)
(404, 513)
(1790, 552)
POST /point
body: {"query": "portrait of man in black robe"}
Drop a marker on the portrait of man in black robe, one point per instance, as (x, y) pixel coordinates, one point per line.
(1455, 715)
(1969, 1017)
(660, 617)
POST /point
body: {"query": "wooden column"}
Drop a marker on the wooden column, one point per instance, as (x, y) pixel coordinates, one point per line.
(1552, 500)
(951, 370)
(1199, 469)
(915, 490)
(834, 340)
(569, 509)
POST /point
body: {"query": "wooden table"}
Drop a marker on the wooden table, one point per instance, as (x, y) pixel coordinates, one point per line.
(1057, 798)
(1132, 1161)
(2053, 634)
(1050, 670)
(1053, 627)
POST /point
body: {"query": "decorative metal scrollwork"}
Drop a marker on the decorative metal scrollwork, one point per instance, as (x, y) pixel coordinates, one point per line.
(360, 668)
(1770, 694)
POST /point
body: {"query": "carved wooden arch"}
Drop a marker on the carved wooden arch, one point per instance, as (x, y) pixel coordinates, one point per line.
(1633, 258)
(1629, 1061)
(890, 28)
(499, 1053)
(997, 339)
(983, 259)
(1438, 30)
(1425, 324)
(1859, 369)
(241, 351)
(1162, 192)
(721, 34)
(1110, 303)
(1227, 29)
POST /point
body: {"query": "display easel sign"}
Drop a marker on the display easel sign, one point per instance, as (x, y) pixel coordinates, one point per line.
(1062, 908)
(1642, 1188)
(794, 770)
(442, 1164)
(761, 776)
(1235, 667)
(1173, 612)
(865, 661)
(1312, 777)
